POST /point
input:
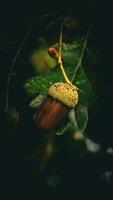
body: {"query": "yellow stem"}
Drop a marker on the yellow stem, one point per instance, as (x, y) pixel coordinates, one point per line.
(60, 59)
(64, 73)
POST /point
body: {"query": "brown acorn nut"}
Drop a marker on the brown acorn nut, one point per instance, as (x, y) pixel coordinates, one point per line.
(55, 107)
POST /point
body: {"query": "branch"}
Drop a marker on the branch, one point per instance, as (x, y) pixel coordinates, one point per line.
(44, 16)
(12, 68)
(82, 55)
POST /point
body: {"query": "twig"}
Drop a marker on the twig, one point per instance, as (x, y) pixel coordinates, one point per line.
(60, 57)
(43, 16)
(82, 54)
(12, 68)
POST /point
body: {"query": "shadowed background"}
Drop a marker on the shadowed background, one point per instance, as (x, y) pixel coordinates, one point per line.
(17, 174)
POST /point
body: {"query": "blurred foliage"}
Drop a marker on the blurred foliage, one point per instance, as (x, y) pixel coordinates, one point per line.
(40, 59)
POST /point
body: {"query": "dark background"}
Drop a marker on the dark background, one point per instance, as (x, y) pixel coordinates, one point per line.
(79, 177)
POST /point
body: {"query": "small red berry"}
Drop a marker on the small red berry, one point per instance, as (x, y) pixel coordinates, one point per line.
(53, 52)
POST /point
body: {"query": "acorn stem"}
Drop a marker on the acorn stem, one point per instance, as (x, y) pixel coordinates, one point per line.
(64, 73)
(60, 57)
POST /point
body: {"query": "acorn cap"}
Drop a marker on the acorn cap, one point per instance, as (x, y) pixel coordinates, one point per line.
(64, 92)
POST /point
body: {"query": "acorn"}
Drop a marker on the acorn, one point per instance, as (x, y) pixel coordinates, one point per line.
(56, 106)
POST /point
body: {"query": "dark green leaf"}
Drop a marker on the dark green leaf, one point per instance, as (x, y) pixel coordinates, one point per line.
(81, 117)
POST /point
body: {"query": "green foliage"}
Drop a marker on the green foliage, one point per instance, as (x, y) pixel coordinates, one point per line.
(81, 117)
(82, 82)
(40, 84)
(35, 103)
(37, 85)
(42, 61)
(70, 55)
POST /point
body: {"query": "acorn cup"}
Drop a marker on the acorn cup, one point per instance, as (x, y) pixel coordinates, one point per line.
(56, 106)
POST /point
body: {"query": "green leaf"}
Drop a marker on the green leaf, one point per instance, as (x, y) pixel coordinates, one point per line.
(67, 128)
(71, 53)
(35, 103)
(82, 82)
(36, 85)
(62, 128)
(40, 84)
(81, 117)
